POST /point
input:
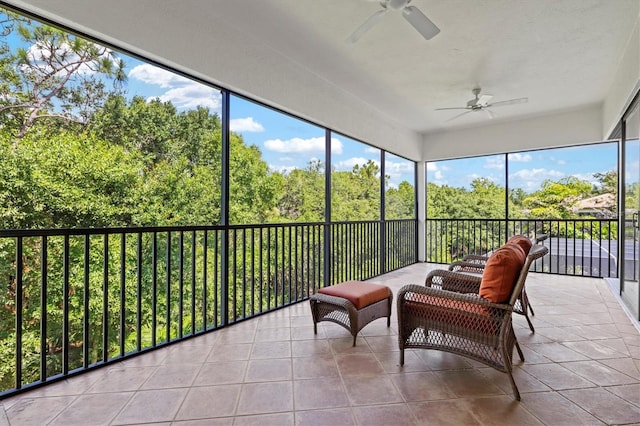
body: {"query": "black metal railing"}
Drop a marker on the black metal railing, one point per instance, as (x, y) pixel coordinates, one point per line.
(76, 299)
(583, 247)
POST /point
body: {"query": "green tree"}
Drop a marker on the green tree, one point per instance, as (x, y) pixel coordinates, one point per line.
(70, 180)
(302, 198)
(254, 189)
(59, 78)
(400, 202)
(355, 195)
(556, 199)
(488, 199)
(608, 182)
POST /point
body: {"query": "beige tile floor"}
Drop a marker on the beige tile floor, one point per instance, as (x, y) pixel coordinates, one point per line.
(582, 367)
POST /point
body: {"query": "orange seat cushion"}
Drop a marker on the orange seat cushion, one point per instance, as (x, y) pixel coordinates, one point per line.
(452, 312)
(359, 293)
(501, 272)
(522, 241)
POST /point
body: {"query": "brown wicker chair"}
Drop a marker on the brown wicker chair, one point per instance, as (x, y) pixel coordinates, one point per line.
(474, 264)
(448, 315)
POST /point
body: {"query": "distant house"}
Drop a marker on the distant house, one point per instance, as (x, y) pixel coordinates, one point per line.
(601, 206)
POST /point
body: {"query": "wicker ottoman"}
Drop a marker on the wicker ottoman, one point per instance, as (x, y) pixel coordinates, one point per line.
(352, 304)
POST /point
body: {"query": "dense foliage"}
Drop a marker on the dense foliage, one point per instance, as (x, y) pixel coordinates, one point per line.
(77, 151)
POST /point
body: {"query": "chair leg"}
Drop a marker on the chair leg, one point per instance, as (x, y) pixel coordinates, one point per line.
(514, 387)
(354, 340)
(531, 308)
(520, 354)
(533, 330)
(402, 356)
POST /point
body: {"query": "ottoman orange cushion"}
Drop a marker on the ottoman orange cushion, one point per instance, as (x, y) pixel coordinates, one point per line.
(359, 293)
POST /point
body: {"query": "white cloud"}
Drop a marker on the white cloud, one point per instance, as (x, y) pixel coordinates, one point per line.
(181, 91)
(397, 167)
(349, 163)
(538, 173)
(372, 150)
(520, 158)
(436, 175)
(494, 163)
(432, 167)
(557, 161)
(150, 74)
(192, 96)
(302, 146)
(531, 179)
(245, 125)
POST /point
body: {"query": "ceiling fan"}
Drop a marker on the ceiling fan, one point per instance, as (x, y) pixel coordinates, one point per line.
(482, 103)
(412, 14)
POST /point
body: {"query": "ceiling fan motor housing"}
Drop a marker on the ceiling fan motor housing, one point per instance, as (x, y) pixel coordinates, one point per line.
(396, 4)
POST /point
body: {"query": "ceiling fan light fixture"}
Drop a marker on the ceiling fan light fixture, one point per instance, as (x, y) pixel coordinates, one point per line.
(396, 4)
(420, 22)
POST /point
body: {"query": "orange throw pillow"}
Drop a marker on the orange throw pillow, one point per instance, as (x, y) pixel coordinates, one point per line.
(522, 241)
(501, 272)
(519, 251)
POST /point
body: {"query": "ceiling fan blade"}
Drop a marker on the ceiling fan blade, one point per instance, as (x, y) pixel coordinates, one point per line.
(510, 102)
(489, 113)
(459, 115)
(420, 22)
(484, 100)
(442, 109)
(366, 26)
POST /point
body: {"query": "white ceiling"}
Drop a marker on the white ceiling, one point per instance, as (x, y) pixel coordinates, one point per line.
(561, 54)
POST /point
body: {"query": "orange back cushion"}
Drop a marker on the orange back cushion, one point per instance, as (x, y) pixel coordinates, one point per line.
(501, 272)
(522, 241)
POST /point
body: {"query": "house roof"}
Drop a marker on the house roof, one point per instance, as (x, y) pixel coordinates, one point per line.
(602, 201)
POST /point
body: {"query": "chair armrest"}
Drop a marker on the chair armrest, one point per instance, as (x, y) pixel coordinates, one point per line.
(430, 296)
(540, 238)
(475, 258)
(453, 281)
(464, 266)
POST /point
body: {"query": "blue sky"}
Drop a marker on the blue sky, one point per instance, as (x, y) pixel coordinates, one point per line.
(527, 170)
(287, 143)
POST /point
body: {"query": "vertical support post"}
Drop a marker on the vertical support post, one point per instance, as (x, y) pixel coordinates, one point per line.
(43, 308)
(123, 293)
(65, 307)
(105, 298)
(382, 222)
(421, 212)
(328, 255)
(18, 292)
(224, 210)
(506, 197)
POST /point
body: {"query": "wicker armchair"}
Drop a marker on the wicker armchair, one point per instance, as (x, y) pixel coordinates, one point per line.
(474, 264)
(448, 315)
